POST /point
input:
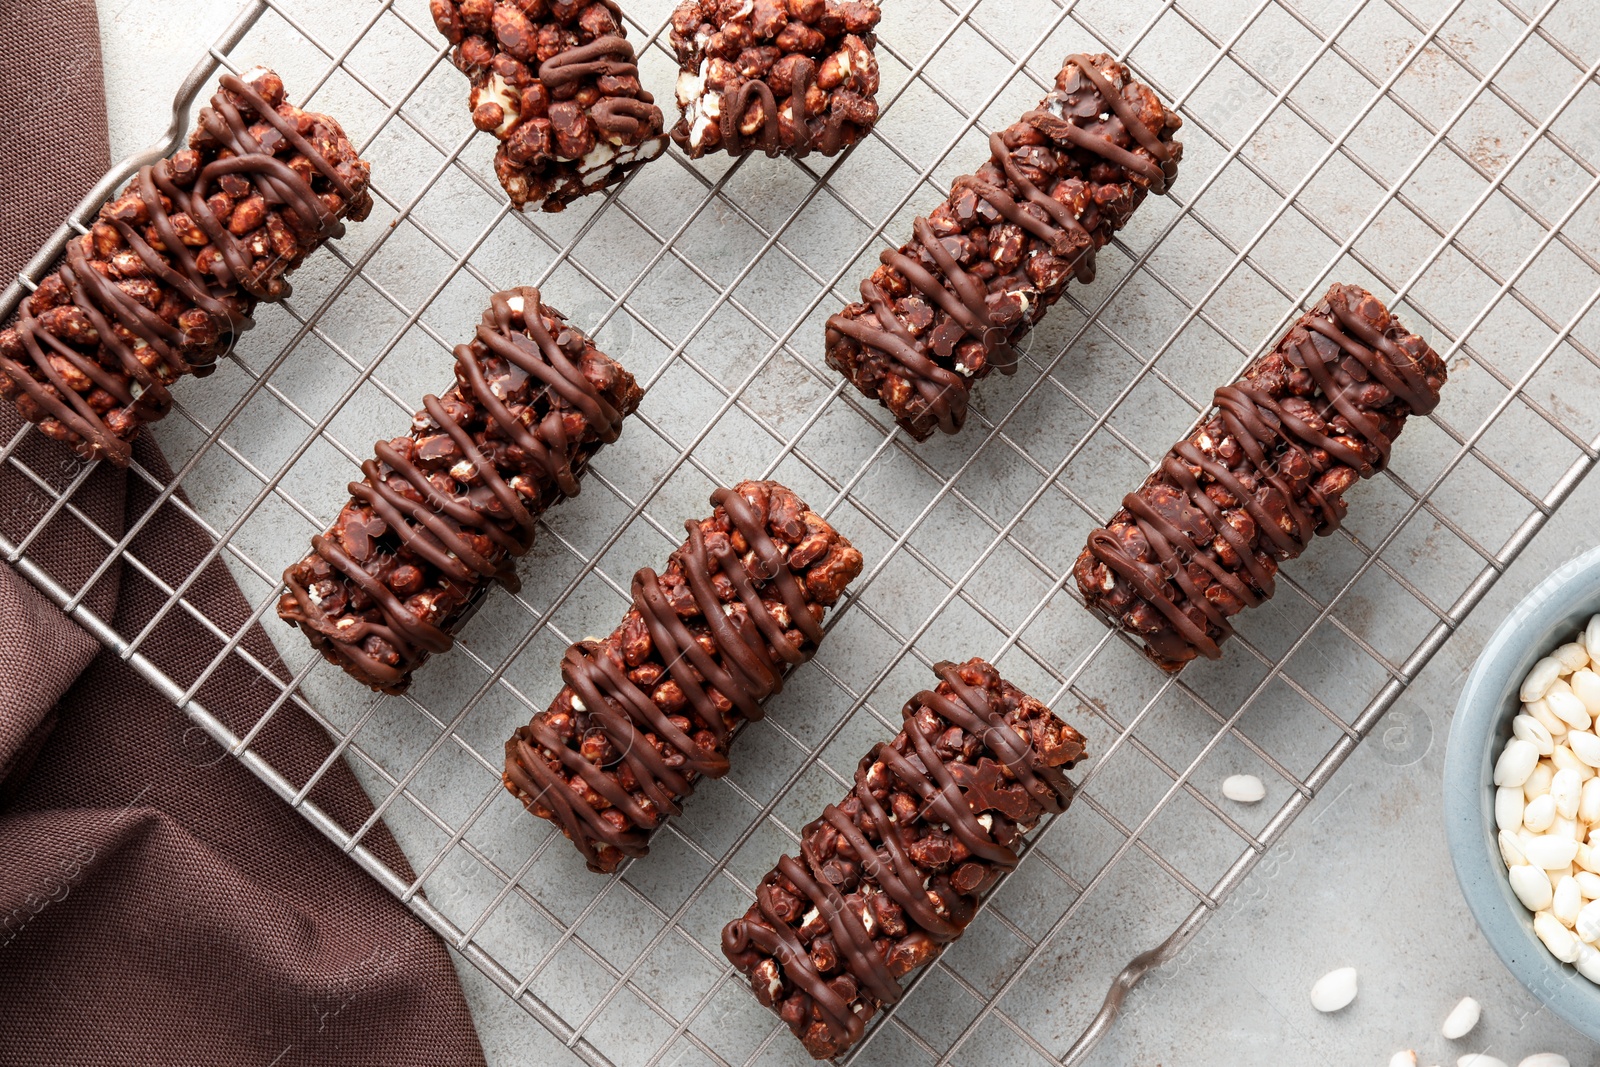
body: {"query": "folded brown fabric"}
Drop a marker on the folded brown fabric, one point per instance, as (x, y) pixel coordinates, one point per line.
(894, 872)
(158, 904)
(54, 44)
(1202, 538)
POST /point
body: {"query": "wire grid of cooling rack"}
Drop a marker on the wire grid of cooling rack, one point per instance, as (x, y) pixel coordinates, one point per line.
(1441, 154)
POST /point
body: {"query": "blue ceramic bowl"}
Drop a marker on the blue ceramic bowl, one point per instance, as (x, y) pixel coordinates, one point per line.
(1547, 617)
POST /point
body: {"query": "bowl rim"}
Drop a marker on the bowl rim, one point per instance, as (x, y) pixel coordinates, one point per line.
(1482, 721)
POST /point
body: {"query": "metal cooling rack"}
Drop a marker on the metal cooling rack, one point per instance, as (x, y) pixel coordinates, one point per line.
(1444, 154)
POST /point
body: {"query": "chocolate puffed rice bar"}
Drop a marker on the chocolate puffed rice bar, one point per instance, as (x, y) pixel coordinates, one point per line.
(170, 271)
(892, 874)
(440, 513)
(983, 267)
(788, 77)
(1202, 538)
(650, 709)
(557, 83)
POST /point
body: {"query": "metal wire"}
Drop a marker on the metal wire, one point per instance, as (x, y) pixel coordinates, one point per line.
(952, 529)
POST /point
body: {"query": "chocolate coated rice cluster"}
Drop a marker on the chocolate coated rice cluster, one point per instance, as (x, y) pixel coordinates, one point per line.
(894, 872)
(944, 310)
(788, 77)
(1202, 538)
(557, 83)
(648, 710)
(441, 512)
(170, 271)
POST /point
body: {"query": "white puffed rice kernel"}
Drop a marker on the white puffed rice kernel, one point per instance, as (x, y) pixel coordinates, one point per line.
(1540, 678)
(1562, 943)
(1589, 802)
(1510, 810)
(1572, 656)
(1517, 761)
(1565, 705)
(1584, 745)
(1586, 687)
(1511, 850)
(1566, 789)
(1538, 814)
(1588, 962)
(1462, 1018)
(1588, 924)
(1243, 788)
(1531, 887)
(1551, 851)
(1540, 710)
(1564, 759)
(1567, 901)
(1337, 988)
(1533, 731)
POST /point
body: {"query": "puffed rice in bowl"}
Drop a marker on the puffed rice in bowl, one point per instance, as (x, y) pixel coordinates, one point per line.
(1507, 744)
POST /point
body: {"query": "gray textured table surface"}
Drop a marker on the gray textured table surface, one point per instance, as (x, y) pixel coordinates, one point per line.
(1363, 878)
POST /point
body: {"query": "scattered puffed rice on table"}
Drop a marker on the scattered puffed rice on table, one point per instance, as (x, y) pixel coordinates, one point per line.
(1462, 1018)
(1244, 788)
(1404, 1058)
(1334, 990)
(1547, 812)
(1546, 1059)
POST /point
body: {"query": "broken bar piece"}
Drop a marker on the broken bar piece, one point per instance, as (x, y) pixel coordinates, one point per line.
(944, 310)
(170, 271)
(1266, 471)
(788, 78)
(893, 873)
(440, 513)
(651, 708)
(557, 83)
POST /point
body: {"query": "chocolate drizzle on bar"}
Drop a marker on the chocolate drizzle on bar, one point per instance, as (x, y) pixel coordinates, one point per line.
(827, 139)
(620, 119)
(888, 877)
(447, 509)
(646, 712)
(557, 84)
(166, 228)
(1202, 538)
(785, 78)
(926, 369)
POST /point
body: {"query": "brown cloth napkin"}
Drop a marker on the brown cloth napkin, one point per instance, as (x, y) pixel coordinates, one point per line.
(158, 904)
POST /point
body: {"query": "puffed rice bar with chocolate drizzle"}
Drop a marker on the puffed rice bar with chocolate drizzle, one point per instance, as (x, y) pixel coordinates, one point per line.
(168, 275)
(557, 83)
(1202, 538)
(944, 309)
(788, 77)
(442, 513)
(650, 709)
(892, 874)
